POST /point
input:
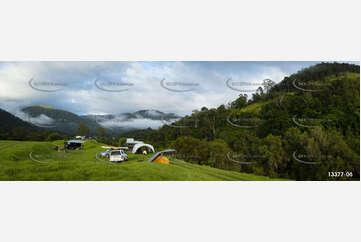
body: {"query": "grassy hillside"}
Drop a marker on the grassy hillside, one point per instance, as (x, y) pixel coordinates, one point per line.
(253, 108)
(48, 164)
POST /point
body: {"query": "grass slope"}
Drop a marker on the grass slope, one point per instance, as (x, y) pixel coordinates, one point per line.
(50, 165)
(253, 108)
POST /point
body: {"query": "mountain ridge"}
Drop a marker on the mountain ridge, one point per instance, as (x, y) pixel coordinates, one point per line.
(68, 122)
(58, 120)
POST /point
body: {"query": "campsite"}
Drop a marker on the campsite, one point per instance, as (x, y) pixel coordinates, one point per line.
(47, 164)
(280, 132)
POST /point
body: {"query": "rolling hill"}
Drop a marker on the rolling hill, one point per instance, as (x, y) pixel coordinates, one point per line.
(58, 120)
(37, 161)
(9, 122)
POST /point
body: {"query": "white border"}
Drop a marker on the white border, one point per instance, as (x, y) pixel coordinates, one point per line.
(179, 30)
(179, 211)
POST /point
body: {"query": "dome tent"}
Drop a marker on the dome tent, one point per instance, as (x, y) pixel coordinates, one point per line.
(141, 145)
(162, 160)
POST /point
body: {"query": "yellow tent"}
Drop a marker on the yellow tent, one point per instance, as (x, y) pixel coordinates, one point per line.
(162, 160)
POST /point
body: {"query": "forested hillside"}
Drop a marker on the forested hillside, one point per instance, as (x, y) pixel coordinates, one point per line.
(302, 128)
(61, 120)
(9, 122)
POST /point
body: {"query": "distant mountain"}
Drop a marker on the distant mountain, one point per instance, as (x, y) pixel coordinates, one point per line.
(66, 122)
(136, 120)
(57, 120)
(141, 114)
(8, 122)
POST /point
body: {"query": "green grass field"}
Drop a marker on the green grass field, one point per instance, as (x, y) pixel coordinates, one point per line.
(38, 161)
(253, 108)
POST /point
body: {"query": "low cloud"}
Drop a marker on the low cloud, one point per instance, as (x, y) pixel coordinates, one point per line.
(38, 121)
(133, 124)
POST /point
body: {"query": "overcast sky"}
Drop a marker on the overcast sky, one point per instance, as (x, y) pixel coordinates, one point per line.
(118, 87)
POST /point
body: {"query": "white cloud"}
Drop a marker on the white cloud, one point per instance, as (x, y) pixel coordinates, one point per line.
(83, 97)
(39, 120)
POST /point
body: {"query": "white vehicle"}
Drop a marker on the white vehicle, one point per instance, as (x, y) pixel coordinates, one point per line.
(118, 156)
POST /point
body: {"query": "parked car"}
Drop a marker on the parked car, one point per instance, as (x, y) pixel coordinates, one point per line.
(105, 154)
(73, 145)
(118, 156)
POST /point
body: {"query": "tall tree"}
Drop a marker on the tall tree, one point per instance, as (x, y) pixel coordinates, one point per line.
(83, 130)
(101, 132)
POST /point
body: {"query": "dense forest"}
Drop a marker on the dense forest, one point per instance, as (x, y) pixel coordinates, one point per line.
(302, 128)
